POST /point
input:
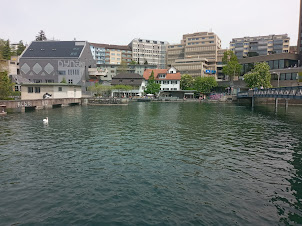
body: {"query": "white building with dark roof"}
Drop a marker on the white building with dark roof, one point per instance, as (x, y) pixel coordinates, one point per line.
(53, 61)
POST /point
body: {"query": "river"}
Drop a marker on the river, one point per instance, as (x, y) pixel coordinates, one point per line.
(152, 163)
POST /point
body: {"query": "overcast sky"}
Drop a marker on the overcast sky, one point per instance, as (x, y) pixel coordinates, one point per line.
(118, 22)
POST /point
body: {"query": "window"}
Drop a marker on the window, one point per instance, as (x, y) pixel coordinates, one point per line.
(60, 89)
(37, 81)
(37, 89)
(16, 88)
(49, 81)
(30, 89)
(62, 72)
(70, 81)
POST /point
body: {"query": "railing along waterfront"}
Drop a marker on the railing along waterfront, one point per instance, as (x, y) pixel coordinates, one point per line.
(294, 92)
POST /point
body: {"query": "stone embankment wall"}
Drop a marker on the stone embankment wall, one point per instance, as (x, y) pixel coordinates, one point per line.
(108, 101)
(22, 105)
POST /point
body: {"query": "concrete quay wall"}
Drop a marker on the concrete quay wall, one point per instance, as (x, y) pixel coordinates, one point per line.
(23, 105)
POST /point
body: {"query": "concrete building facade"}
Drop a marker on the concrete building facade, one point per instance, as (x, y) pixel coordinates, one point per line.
(53, 61)
(197, 54)
(150, 51)
(110, 54)
(260, 45)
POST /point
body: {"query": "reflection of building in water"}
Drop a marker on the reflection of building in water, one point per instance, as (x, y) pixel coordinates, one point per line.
(53, 61)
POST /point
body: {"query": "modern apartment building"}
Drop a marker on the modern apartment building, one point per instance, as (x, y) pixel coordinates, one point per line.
(261, 45)
(149, 51)
(110, 54)
(196, 54)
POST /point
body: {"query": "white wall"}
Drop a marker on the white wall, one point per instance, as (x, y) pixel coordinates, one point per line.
(67, 92)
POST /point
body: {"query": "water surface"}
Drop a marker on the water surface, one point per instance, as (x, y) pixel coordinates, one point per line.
(152, 163)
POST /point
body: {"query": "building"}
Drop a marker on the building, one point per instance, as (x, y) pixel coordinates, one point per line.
(169, 80)
(34, 91)
(283, 67)
(18, 80)
(53, 61)
(192, 66)
(110, 54)
(197, 54)
(260, 45)
(299, 44)
(136, 81)
(152, 52)
(108, 71)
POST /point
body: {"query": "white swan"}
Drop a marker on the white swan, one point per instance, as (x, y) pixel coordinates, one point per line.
(45, 120)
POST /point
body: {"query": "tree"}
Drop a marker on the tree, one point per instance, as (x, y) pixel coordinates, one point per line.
(20, 48)
(146, 62)
(231, 66)
(41, 36)
(122, 88)
(133, 62)
(186, 82)
(152, 87)
(6, 86)
(100, 90)
(204, 84)
(259, 77)
(63, 80)
(6, 51)
(123, 67)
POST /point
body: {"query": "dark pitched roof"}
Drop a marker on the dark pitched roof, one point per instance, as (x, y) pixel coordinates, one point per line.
(18, 79)
(130, 79)
(128, 76)
(48, 49)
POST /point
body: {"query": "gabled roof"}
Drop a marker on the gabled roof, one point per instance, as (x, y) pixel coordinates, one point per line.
(174, 76)
(131, 79)
(18, 79)
(127, 76)
(54, 49)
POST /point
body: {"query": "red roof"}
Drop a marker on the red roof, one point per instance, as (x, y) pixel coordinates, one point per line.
(148, 72)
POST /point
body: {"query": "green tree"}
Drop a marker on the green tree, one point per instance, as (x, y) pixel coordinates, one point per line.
(146, 62)
(6, 86)
(259, 76)
(41, 36)
(186, 82)
(133, 62)
(100, 90)
(122, 68)
(152, 87)
(20, 48)
(6, 52)
(124, 88)
(204, 84)
(231, 66)
(63, 80)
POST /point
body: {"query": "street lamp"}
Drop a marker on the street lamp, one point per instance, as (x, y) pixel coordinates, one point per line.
(278, 77)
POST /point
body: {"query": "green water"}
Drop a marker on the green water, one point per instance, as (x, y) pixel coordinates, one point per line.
(152, 163)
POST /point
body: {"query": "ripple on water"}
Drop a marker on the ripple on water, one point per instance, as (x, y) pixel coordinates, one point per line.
(151, 163)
